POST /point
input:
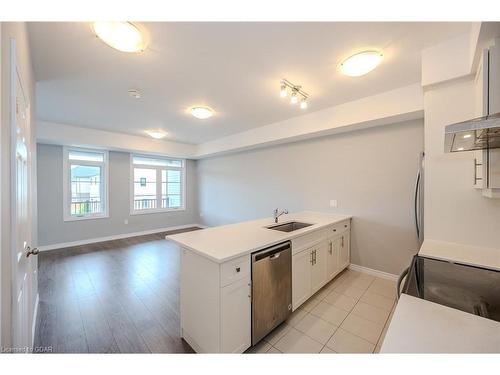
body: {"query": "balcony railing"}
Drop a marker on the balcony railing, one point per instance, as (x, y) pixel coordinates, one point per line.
(86, 207)
(144, 203)
(149, 203)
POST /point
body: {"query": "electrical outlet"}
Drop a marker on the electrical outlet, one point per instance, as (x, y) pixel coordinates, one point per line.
(125, 221)
(333, 203)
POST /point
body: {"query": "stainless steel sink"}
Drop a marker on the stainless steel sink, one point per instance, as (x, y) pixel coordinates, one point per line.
(290, 226)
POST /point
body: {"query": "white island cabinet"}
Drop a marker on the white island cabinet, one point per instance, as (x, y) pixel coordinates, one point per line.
(317, 259)
(216, 288)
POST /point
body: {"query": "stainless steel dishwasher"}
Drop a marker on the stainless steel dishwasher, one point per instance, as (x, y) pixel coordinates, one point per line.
(271, 289)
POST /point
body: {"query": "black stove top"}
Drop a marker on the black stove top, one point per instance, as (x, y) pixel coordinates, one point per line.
(471, 289)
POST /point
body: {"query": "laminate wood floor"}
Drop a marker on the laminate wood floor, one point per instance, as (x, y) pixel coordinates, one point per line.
(118, 296)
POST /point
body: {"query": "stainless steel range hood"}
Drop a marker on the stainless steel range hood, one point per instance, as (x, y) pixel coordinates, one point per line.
(481, 133)
(477, 134)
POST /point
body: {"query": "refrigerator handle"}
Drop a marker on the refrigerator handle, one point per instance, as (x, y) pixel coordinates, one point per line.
(401, 278)
(417, 204)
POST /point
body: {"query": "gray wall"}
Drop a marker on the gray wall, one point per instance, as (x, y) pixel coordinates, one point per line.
(53, 229)
(370, 172)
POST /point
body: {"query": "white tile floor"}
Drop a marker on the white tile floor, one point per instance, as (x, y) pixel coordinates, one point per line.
(348, 315)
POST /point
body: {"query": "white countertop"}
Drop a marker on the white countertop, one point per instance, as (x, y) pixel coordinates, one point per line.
(225, 242)
(465, 254)
(420, 326)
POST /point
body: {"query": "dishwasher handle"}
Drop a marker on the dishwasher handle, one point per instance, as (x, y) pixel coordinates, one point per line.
(272, 252)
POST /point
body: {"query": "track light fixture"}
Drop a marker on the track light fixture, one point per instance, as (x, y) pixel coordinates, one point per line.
(295, 91)
(283, 91)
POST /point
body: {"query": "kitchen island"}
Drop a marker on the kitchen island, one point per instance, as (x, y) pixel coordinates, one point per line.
(216, 285)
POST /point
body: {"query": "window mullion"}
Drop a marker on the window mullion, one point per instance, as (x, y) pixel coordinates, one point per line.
(158, 188)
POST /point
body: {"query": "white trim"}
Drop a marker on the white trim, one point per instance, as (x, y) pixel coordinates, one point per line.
(115, 237)
(33, 324)
(67, 185)
(156, 211)
(371, 271)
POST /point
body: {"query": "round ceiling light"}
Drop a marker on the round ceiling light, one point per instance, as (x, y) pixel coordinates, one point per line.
(156, 134)
(361, 63)
(201, 113)
(123, 36)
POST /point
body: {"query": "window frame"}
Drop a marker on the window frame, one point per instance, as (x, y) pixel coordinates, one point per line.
(158, 169)
(67, 183)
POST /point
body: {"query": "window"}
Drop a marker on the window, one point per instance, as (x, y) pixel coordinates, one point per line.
(157, 184)
(85, 179)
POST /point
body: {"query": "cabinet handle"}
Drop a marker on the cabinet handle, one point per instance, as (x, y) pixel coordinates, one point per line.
(312, 258)
(331, 245)
(345, 225)
(335, 230)
(342, 241)
(238, 269)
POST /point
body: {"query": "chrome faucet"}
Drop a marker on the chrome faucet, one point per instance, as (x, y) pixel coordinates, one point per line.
(277, 214)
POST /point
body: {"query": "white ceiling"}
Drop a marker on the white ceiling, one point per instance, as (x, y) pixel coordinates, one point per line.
(233, 67)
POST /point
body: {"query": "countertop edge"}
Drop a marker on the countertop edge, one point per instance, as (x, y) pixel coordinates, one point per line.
(302, 232)
(460, 253)
(425, 339)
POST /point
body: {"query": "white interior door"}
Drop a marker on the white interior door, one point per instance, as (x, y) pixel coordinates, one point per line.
(23, 267)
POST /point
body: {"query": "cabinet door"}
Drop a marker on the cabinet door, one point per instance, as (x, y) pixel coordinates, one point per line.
(236, 317)
(345, 253)
(332, 257)
(301, 277)
(318, 269)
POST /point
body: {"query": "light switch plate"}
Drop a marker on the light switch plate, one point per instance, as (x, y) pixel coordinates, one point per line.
(333, 203)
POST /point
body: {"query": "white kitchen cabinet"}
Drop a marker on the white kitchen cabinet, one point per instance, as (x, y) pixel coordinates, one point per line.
(345, 250)
(320, 262)
(236, 304)
(215, 303)
(333, 257)
(301, 277)
(318, 267)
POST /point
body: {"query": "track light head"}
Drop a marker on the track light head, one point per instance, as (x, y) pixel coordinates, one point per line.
(283, 91)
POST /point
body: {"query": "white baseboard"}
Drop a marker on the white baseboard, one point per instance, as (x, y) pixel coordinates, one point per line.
(370, 271)
(33, 324)
(114, 237)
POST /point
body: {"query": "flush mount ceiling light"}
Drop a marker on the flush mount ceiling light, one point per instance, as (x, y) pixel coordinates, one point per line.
(133, 93)
(156, 134)
(361, 63)
(296, 93)
(201, 112)
(123, 36)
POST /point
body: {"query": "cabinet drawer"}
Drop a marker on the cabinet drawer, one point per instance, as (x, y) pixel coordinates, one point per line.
(234, 270)
(308, 240)
(340, 227)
